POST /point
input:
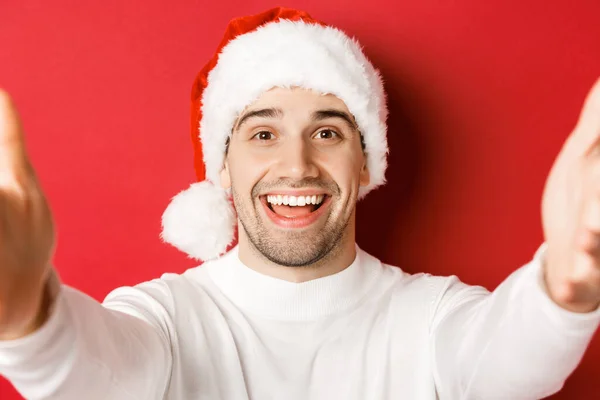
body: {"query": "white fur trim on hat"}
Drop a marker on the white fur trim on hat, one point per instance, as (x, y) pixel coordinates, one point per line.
(287, 54)
(200, 221)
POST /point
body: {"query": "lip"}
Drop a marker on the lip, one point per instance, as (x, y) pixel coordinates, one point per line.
(297, 222)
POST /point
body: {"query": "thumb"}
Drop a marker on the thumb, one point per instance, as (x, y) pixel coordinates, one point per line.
(587, 130)
(13, 156)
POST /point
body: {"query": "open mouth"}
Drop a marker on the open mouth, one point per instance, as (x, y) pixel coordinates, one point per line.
(295, 211)
(294, 206)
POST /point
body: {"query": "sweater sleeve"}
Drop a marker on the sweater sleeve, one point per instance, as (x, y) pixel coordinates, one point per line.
(89, 351)
(514, 343)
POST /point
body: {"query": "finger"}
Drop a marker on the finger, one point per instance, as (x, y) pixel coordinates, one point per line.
(588, 239)
(589, 230)
(584, 281)
(13, 156)
(590, 196)
(587, 130)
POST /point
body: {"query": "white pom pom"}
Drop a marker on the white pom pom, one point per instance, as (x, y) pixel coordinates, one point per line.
(200, 221)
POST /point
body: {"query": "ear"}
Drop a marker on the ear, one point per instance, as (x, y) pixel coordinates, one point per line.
(365, 178)
(225, 177)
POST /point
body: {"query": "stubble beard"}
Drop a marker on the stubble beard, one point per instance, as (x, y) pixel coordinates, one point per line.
(290, 249)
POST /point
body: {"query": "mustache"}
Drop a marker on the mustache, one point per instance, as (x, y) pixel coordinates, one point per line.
(285, 183)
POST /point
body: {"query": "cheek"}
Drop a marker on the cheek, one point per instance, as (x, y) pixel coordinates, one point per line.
(345, 171)
(245, 171)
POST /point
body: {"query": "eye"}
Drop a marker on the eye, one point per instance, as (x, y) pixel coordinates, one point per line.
(327, 134)
(264, 136)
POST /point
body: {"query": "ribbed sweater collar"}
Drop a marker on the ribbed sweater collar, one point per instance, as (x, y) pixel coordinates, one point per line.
(279, 299)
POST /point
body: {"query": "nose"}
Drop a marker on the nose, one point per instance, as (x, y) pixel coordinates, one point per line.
(296, 160)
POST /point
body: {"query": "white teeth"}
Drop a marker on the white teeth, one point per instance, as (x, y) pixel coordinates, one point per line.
(279, 199)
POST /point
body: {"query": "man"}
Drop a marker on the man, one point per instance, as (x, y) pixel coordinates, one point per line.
(291, 119)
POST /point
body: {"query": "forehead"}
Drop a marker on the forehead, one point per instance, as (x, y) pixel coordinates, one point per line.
(297, 98)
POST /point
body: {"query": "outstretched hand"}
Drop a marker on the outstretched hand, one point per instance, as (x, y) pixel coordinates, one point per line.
(26, 232)
(571, 215)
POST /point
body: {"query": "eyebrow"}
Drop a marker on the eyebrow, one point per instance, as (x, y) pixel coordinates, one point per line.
(262, 113)
(333, 113)
(319, 115)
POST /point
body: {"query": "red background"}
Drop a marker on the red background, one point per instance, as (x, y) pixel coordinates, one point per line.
(481, 94)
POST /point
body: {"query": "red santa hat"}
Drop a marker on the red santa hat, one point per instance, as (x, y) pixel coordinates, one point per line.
(278, 48)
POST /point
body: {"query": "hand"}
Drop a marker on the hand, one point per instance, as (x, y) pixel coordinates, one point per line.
(571, 215)
(26, 232)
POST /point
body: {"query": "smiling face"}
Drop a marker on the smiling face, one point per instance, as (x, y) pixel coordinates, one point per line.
(294, 164)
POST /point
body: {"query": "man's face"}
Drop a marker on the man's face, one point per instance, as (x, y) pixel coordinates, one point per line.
(295, 164)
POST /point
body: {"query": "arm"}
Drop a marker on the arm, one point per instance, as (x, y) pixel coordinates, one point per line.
(56, 342)
(86, 350)
(523, 340)
(514, 343)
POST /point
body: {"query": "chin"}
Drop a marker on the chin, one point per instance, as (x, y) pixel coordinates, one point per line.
(297, 247)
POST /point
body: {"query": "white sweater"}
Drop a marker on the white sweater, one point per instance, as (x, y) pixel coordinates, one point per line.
(372, 331)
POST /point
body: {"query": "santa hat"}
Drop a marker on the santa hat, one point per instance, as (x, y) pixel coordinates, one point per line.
(278, 48)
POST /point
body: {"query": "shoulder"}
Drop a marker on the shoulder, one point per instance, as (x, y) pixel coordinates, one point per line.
(426, 295)
(157, 301)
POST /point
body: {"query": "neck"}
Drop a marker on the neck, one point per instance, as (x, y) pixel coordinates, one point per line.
(338, 259)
